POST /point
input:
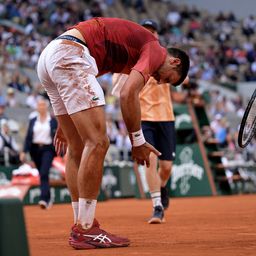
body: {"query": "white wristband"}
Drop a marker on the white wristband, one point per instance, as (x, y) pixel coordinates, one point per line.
(137, 138)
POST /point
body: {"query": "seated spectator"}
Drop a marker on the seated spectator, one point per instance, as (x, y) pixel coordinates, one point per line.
(2, 110)
(220, 132)
(8, 146)
(32, 99)
(112, 129)
(123, 144)
(173, 18)
(26, 84)
(11, 100)
(139, 6)
(249, 25)
(2, 98)
(15, 82)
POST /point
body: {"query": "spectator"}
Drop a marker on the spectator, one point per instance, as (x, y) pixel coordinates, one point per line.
(173, 18)
(112, 131)
(2, 111)
(221, 132)
(32, 99)
(123, 144)
(11, 100)
(249, 26)
(39, 143)
(26, 85)
(8, 146)
(15, 82)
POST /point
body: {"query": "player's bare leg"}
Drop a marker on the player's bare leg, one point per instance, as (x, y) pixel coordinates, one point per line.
(74, 153)
(91, 127)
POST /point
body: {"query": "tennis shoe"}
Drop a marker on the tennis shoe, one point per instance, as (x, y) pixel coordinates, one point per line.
(45, 205)
(71, 234)
(94, 238)
(158, 215)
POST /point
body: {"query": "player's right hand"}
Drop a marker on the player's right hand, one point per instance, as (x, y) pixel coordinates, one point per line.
(141, 154)
(60, 142)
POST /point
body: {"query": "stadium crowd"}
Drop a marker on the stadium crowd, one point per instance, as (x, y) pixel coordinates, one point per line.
(222, 49)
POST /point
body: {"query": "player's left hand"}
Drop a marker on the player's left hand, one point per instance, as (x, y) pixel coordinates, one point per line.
(141, 154)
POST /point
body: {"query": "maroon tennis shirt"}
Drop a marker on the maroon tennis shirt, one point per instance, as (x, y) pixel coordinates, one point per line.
(119, 46)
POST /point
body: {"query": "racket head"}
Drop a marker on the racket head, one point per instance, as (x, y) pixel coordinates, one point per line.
(248, 124)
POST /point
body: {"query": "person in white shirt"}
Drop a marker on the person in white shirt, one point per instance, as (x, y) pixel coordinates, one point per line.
(39, 143)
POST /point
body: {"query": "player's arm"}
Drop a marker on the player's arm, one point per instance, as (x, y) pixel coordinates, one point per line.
(129, 101)
(130, 107)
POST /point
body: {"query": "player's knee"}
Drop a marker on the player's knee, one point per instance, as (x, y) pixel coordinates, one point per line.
(106, 143)
(99, 145)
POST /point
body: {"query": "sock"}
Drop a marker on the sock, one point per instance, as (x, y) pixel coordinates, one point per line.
(86, 212)
(156, 198)
(75, 211)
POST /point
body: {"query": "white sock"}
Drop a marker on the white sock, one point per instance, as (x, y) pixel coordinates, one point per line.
(156, 198)
(75, 211)
(86, 212)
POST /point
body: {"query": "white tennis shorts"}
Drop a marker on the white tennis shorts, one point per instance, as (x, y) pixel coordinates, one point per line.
(67, 72)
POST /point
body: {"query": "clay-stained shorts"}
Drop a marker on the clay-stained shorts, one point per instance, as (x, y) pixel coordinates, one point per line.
(67, 72)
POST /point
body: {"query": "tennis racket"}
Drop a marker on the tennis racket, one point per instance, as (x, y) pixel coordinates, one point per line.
(248, 125)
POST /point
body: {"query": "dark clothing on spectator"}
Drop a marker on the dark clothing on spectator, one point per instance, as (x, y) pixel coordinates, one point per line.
(42, 155)
(13, 154)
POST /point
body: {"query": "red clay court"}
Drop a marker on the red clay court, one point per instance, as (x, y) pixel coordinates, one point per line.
(223, 225)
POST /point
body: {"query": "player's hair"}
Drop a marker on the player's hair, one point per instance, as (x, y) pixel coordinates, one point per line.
(183, 68)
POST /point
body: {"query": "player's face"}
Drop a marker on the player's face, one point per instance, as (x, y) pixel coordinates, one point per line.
(168, 73)
(170, 76)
